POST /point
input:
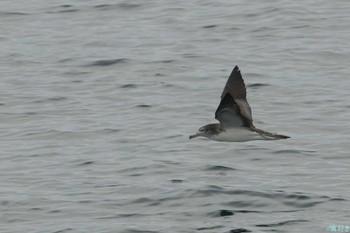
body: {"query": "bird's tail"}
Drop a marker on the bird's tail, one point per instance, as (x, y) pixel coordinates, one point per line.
(272, 136)
(280, 136)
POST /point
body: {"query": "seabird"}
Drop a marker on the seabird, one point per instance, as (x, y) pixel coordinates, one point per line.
(235, 116)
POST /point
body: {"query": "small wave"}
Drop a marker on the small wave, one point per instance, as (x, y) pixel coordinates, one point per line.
(108, 62)
(221, 213)
(121, 216)
(218, 168)
(190, 55)
(142, 200)
(86, 163)
(177, 181)
(63, 230)
(30, 113)
(103, 6)
(139, 231)
(110, 130)
(299, 152)
(257, 85)
(247, 211)
(238, 230)
(173, 136)
(289, 222)
(125, 6)
(55, 211)
(302, 205)
(245, 204)
(58, 98)
(297, 200)
(68, 11)
(128, 5)
(143, 106)
(130, 85)
(210, 26)
(163, 61)
(337, 199)
(209, 228)
(12, 13)
(66, 6)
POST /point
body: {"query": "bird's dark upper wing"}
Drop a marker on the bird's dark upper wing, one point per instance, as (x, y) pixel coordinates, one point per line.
(234, 110)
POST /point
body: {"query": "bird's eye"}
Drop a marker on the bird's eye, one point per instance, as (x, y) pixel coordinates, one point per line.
(201, 130)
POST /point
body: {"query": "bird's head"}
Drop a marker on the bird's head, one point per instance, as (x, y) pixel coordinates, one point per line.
(206, 131)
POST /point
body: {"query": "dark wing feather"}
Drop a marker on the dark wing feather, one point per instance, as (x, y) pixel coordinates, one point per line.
(234, 110)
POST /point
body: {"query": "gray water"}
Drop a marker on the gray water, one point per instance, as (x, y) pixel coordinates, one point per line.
(98, 99)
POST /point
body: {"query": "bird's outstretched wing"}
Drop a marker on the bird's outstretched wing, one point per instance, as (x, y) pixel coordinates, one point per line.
(234, 110)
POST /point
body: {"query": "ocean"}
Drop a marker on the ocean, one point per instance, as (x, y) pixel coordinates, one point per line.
(98, 99)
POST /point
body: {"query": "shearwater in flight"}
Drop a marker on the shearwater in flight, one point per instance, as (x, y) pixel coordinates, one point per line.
(235, 116)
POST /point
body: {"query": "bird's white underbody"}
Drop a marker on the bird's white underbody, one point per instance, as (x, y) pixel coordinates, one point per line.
(238, 135)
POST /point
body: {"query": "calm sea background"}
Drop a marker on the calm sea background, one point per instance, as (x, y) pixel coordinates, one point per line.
(98, 99)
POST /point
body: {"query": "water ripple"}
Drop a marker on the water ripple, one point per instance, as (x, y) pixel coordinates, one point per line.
(63, 230)
(130, 85)
(138, 231)
(296, 200)
(289, 222)
(126, 6)
(210, 26)
(221, 213)
(209, 228)
(108, 62)
(238, 230)
(218, 168)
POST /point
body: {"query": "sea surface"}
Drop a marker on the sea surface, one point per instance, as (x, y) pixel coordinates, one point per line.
(98, 99)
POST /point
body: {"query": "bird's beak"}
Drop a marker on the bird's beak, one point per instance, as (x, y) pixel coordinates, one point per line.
(195, 135)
